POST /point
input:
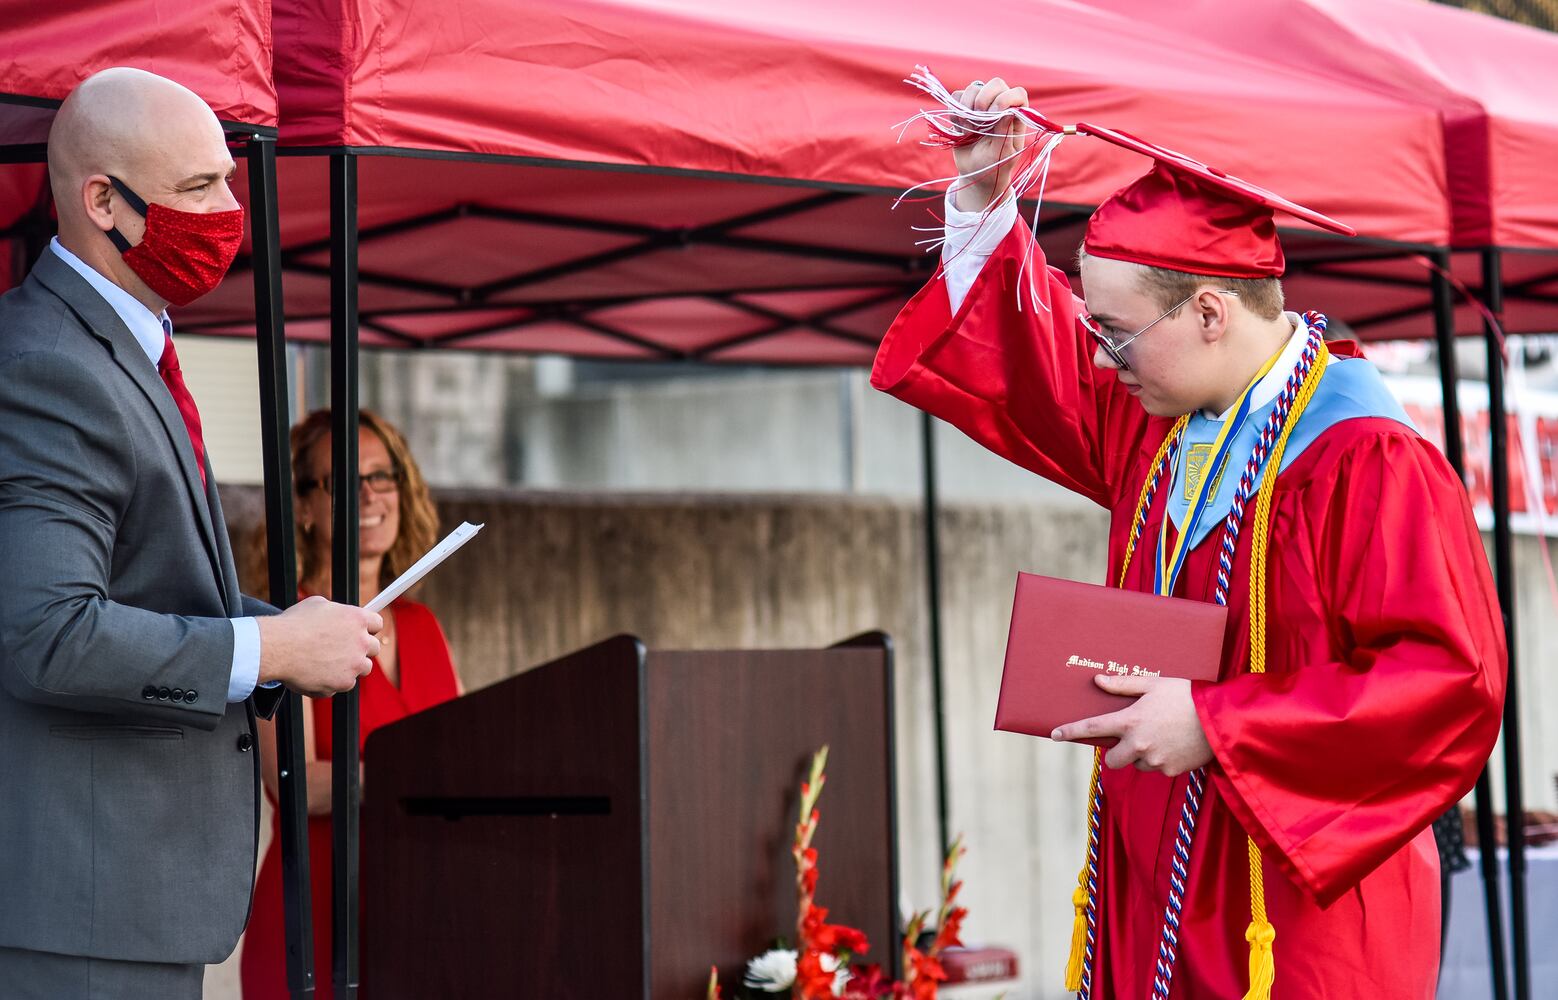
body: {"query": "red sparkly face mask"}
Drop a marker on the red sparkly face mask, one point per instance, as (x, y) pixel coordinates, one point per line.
(183, 255)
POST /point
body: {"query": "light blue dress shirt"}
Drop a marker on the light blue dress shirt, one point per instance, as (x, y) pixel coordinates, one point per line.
(148, 330)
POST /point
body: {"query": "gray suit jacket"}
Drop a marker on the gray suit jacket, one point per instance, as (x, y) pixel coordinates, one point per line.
(129, 788)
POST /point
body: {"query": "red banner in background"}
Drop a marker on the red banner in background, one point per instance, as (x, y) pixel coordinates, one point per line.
(1532, 441)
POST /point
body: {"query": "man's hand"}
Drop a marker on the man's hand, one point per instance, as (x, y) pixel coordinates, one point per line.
(1160, 732)
(318, 647)
(975, 161)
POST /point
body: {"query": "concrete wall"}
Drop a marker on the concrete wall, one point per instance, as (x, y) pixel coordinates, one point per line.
(553, 572)
(555, 424)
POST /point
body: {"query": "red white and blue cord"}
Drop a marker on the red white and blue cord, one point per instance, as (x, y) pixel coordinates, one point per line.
(1179, 859)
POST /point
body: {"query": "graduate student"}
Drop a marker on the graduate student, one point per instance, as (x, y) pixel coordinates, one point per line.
(1273, 826)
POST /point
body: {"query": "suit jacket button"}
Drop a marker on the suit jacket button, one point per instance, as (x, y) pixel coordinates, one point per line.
(178, 694)
(245, 742)
(190, 696)
(163, 694)
(149, 693)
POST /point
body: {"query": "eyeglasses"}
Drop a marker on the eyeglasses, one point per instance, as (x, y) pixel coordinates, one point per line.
(1115, 348)
(379, 481)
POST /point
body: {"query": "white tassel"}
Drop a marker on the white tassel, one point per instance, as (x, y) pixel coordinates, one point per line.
(954, 124)
(1041, 163)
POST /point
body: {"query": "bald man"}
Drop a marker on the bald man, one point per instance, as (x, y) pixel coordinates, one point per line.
(131, 668)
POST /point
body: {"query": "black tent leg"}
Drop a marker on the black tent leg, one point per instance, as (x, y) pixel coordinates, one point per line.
(1504, 564)
(933, 602)
(1454, 450)
(343, 409)
(274, 417)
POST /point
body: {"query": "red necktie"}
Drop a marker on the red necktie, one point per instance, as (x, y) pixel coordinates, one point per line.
(173, 378)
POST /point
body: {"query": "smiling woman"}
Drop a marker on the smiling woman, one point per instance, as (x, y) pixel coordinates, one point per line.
(396, 524)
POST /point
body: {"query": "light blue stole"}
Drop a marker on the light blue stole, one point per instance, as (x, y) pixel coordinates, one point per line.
(1350, 387)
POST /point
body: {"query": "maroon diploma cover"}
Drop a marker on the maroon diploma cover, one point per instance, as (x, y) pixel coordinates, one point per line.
(1065, 633)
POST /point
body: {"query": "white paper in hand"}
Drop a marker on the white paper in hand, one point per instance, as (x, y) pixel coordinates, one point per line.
(437, 554)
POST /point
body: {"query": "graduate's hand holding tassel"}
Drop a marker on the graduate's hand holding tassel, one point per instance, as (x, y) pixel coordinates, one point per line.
(987, 162)
(994, 137)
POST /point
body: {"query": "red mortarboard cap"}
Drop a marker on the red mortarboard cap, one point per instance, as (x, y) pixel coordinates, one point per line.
(1186, 216)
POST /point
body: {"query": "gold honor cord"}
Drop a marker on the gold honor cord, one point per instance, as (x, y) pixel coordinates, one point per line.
(1079, 896)
(1260, 934)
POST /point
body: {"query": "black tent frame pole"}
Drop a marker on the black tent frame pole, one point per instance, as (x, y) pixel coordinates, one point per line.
(933, 617)
(1504, 565)
(1449, 372)
(345, 794)
(1454, 450)
(270, 330)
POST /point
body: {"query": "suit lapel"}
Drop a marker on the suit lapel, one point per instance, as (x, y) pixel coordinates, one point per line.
(99, 318)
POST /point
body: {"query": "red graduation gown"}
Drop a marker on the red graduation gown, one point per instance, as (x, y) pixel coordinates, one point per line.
(1385, 660)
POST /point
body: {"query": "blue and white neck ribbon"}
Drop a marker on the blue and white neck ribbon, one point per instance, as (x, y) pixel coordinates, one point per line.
(1169, 562)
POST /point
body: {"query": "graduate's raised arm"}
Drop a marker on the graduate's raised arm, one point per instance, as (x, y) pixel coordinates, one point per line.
(1001, 355)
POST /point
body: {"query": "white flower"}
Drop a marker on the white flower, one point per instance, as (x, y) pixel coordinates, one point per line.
(830, 963)
(772, 971)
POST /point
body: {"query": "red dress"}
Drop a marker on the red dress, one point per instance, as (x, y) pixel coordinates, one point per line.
(1385, 660)
(426, 678)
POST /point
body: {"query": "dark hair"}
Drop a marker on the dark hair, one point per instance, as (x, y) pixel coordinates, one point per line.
(1261, 296)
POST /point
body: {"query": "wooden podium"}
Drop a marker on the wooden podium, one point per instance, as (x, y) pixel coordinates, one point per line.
(612, 824)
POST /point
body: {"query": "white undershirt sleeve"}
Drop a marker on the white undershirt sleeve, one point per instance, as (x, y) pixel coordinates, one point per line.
(971, 237)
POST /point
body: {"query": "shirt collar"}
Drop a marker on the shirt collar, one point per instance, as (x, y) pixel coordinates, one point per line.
(150, 330)
(1271, 383)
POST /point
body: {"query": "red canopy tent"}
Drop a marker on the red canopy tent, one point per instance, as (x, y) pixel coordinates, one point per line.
(672, 251)
(807, 91)
(483, 79)
(1488, 77)
(1489, 81)
(220, 50)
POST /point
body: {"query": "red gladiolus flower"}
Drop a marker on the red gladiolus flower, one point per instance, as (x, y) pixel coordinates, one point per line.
(818, 933)
(831, 938)
(816, 983)
(851, 940)
(948, 935)
(868, 983)
(928, 974)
